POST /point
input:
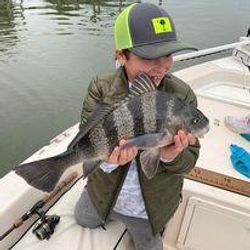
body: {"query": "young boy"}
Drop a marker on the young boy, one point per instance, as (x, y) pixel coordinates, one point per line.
(145, 40)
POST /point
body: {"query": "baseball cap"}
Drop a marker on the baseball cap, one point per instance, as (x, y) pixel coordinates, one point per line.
(147, 31)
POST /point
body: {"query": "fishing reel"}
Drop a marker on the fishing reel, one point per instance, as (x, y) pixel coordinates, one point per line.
(46, 226)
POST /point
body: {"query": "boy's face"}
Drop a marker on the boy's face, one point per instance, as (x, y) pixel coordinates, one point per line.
(155, 68)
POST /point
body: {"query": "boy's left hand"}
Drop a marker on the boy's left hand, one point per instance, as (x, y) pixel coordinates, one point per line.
(181, 141)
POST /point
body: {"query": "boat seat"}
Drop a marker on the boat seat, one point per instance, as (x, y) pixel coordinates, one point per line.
(68, 235)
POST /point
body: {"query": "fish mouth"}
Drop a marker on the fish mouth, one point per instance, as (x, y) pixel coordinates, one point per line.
(202, 132)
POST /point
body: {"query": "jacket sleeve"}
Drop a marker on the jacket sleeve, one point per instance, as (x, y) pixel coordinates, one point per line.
(186, 160)
(93, 97)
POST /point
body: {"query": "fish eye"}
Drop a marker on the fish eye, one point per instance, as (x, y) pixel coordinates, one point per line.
(195, 121)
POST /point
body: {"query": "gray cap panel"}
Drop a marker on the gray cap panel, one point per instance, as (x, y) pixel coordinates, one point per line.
(141, 27)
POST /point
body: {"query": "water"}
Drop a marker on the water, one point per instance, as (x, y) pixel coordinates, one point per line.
(51, 49)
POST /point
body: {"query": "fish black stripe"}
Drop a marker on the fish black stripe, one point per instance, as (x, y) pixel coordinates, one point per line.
(99, 140)
(88, 147)
(135, 108)
(108, 126)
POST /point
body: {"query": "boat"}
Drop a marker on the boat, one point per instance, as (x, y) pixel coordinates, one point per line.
(215, 210)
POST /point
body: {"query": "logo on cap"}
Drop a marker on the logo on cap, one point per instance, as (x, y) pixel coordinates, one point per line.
(161, 25)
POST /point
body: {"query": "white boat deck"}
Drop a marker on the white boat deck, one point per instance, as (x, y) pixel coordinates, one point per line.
(222, 88)
(215, 150)
(68, 235)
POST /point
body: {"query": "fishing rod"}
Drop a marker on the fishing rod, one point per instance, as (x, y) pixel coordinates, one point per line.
(36, 208)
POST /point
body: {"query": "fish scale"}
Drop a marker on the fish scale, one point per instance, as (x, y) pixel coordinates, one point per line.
(135, 107)
(149, 112)
(99, 139)
(124, 127)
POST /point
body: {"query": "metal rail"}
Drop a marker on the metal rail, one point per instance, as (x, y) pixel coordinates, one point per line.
(245, 41)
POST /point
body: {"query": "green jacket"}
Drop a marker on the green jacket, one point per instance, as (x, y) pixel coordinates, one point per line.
(162, 193)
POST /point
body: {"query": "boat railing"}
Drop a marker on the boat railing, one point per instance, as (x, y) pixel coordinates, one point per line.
(243, 41)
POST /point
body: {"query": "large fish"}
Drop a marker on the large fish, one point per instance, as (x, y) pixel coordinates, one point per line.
(147, 118)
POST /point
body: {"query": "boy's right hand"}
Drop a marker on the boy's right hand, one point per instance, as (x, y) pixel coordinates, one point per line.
(122, 156)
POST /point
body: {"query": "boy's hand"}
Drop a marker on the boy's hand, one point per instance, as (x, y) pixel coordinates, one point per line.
(122, 156)
(181, 141)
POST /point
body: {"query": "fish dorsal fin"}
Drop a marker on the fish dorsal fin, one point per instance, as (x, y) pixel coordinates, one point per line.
(141, 84)
(100, 112)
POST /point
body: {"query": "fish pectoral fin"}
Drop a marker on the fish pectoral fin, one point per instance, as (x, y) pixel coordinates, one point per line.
(150, 160)
(89, 167)
(146, 141)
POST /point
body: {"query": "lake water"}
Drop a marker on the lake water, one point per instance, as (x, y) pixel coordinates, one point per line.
(51, 49)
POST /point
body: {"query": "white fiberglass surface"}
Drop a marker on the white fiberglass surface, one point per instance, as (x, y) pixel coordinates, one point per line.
(227, 92)
(208, 226)
(69, 235)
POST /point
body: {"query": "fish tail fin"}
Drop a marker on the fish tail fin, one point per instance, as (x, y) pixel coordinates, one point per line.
(43, 174)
